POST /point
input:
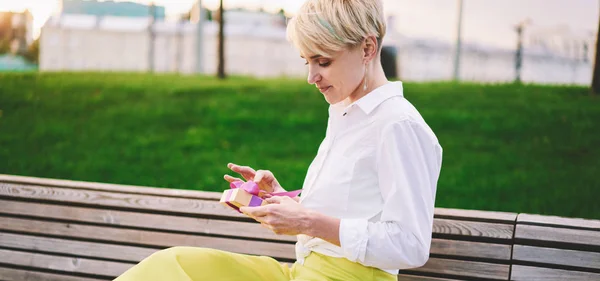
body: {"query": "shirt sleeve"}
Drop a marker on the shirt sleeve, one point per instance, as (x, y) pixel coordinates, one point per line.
(409, 160)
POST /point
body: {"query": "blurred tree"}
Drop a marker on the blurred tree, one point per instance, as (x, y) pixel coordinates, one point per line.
(389, 58)
(188, 15)
(33, 52)
(520, 28)
(596, 78)
(282, 16)
(209, 15)
(5, 31)
(221, 47)
(4, 45)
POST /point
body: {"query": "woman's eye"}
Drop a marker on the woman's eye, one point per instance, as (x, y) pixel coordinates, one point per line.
(321, 64)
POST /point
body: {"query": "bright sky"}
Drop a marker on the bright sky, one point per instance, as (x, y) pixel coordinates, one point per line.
(485, 21)
(42, 9)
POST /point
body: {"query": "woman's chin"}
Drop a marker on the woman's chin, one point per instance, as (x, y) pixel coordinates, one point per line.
(331, 99)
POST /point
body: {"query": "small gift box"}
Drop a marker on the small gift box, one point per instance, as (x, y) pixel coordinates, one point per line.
(242, 194)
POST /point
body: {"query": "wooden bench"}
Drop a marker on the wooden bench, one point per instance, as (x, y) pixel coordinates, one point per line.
(554, 248)
(69, 230)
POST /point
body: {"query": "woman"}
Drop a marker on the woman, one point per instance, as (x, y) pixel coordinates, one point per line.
(367, 205)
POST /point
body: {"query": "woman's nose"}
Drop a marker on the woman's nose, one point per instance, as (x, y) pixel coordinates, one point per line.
(313, 77)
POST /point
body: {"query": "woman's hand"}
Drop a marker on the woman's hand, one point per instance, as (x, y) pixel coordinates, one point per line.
(283, 215)
(265, 179)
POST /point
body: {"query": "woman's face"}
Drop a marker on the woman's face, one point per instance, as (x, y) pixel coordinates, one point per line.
(339, 76)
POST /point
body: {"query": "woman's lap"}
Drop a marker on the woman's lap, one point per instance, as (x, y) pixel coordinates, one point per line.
(198, 264)
(194, 263)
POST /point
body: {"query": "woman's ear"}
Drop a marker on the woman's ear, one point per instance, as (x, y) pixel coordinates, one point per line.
(370, 48)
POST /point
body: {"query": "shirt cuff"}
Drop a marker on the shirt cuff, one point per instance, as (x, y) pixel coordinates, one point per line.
(353, 238)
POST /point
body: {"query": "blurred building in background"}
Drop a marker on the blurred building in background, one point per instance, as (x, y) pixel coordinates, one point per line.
(425, 59)
(256, 45)
(103, 36)
(107, 8)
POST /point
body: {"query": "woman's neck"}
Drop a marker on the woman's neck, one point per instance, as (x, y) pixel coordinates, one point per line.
(375, 79)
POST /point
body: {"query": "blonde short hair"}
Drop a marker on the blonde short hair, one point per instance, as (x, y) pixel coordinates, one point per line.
(326, 26)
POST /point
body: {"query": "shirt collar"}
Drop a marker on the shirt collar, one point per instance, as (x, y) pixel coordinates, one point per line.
(373, 99)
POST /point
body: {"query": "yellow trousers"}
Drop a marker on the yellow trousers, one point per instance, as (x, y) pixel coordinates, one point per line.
(200, 264)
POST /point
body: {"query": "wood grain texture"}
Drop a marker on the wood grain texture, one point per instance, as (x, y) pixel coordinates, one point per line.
(251, 230)
(476, 215)
(192, 194)
(464, 268)
(63, 264)
(404, 277)
(119, 200)
(475, 229)
(470, 249)
(529, 273)
(557, 256)
(75, 248)
(559, 235)
(145, 237)
(559, 221)
(11, 274)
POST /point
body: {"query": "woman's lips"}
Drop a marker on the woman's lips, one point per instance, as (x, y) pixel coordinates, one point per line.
(324, 89)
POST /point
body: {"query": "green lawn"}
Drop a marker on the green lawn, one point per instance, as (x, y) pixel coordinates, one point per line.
(528, 149)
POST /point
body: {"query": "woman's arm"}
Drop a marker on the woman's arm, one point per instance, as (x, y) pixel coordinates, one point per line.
(408, 166)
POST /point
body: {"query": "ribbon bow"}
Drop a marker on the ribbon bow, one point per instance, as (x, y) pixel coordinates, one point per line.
(252, 188)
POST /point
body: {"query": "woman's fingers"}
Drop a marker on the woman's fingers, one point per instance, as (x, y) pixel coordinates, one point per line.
(231, 179)
(260, 174)
(246, 172)
(264, 179)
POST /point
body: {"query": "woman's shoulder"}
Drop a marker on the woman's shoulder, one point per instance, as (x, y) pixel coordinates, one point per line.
(398, 111)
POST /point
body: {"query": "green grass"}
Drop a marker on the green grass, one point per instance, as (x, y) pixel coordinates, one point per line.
(527, 149)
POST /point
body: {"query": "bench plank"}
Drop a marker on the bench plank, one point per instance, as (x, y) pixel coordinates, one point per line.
(76, 248)
(169, 192)
(556, 234)
(470, 249)
(11, 274)
(484, 216)
(473, 229)
(557, 256)
(559, 221)
(252, 230)
(464, 268)
(530, 273)
(404, 277)
(151, 203)
(145, 237)
(64, 264)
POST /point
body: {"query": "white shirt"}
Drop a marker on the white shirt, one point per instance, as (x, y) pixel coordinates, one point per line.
(376, 170)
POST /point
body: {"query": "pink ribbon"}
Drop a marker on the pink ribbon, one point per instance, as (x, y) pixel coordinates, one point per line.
(252, 188)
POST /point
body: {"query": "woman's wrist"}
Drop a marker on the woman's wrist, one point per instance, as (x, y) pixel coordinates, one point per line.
(321, 226)
(309, 222)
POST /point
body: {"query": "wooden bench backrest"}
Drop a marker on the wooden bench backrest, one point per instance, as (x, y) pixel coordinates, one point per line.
(68, 230)
(554, 248)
